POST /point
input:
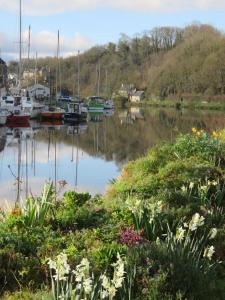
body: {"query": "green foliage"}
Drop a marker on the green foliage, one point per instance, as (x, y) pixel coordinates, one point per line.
(35, 210)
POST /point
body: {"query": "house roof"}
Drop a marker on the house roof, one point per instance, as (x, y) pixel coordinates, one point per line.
(138, 93)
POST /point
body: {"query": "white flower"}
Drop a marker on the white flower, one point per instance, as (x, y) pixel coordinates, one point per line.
(105, 281)
(185, 225)
(52, 264)
(87, 285)
(119, 272)
(203, 188)
(196, 222)
(191, 185)
(212, 233)
(210, 212)
(104, 294)
(134, 205)
(60, 266)
(214, 182)
(112, 291)
(151, 220)
(110, 286)
(180, 234)
(183, 189)
(209, 251)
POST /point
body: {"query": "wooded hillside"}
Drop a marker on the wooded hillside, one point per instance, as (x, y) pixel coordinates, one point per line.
(164, 61)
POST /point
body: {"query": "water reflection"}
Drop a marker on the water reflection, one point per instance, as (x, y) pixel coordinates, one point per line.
(88, 155)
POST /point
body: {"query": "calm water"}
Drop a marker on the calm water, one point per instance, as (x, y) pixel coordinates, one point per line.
(88, 156)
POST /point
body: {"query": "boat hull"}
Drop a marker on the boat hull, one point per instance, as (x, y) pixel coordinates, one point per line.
(18, 118)
(52, 115)
(96, 107)
(74, 117)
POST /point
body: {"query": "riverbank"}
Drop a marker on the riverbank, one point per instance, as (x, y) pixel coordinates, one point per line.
(158, 233)
(181, 104)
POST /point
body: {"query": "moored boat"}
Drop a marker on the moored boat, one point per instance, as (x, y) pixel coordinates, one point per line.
(109, 104)
(18, 116)
(53, 113)
(13, 108)
(76, 112)
(3, 116)
(96, 103)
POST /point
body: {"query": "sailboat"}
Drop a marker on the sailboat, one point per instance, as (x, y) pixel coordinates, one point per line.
(53, 112)
(16, 113)
(96, 103)
(76, 111)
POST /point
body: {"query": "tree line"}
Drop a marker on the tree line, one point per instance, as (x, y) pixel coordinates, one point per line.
(163, 61)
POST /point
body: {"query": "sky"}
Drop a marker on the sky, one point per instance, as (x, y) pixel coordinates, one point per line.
(86, 23)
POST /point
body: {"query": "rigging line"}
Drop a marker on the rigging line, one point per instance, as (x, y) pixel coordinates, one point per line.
(18, 170)
(78, 75)
(34, 157)
(49, 144)
(2, 159)
(77, 160)
(72, 158)
(26, 168)
(55, 166)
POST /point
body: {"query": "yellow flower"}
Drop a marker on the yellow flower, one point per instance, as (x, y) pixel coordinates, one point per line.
(215, 134)
(194, 130)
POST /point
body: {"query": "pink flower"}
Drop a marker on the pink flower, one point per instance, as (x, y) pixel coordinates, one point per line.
(131, 238)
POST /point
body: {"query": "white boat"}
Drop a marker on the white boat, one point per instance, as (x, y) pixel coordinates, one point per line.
(16, 113)
(62, 98)
(7, 102)
(3, 116)
(75, 113)
(32, 107)
(109, 104)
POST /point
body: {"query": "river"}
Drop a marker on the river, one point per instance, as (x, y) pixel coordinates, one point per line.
(88, 156)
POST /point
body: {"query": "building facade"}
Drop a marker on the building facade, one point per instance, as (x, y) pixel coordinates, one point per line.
(3, 74)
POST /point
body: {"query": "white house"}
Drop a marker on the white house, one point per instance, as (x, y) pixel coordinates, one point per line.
(137, 96)
(38, 91)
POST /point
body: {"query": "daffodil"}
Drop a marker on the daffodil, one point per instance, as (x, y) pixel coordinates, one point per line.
(180, 234)
(209, 251)
(212, 233)
(196, 222)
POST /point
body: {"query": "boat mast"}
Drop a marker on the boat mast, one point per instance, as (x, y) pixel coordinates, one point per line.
(57, 68)
(106, 83)
(78, 75)
(99, 75)
(50, 88)
(20, 43)
(28, 54)
(35, 74)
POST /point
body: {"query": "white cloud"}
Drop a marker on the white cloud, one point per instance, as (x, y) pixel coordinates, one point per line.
(47, 7)
(45, 43)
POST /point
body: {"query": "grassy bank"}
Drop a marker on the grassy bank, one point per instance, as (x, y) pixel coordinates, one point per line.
(158, 233)
(220, 105)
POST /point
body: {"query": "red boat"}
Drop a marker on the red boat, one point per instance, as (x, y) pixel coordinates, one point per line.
(54, 114)
(18, 124)
(18, 118)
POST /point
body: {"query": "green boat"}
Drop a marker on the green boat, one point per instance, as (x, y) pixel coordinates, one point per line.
(96, 103)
